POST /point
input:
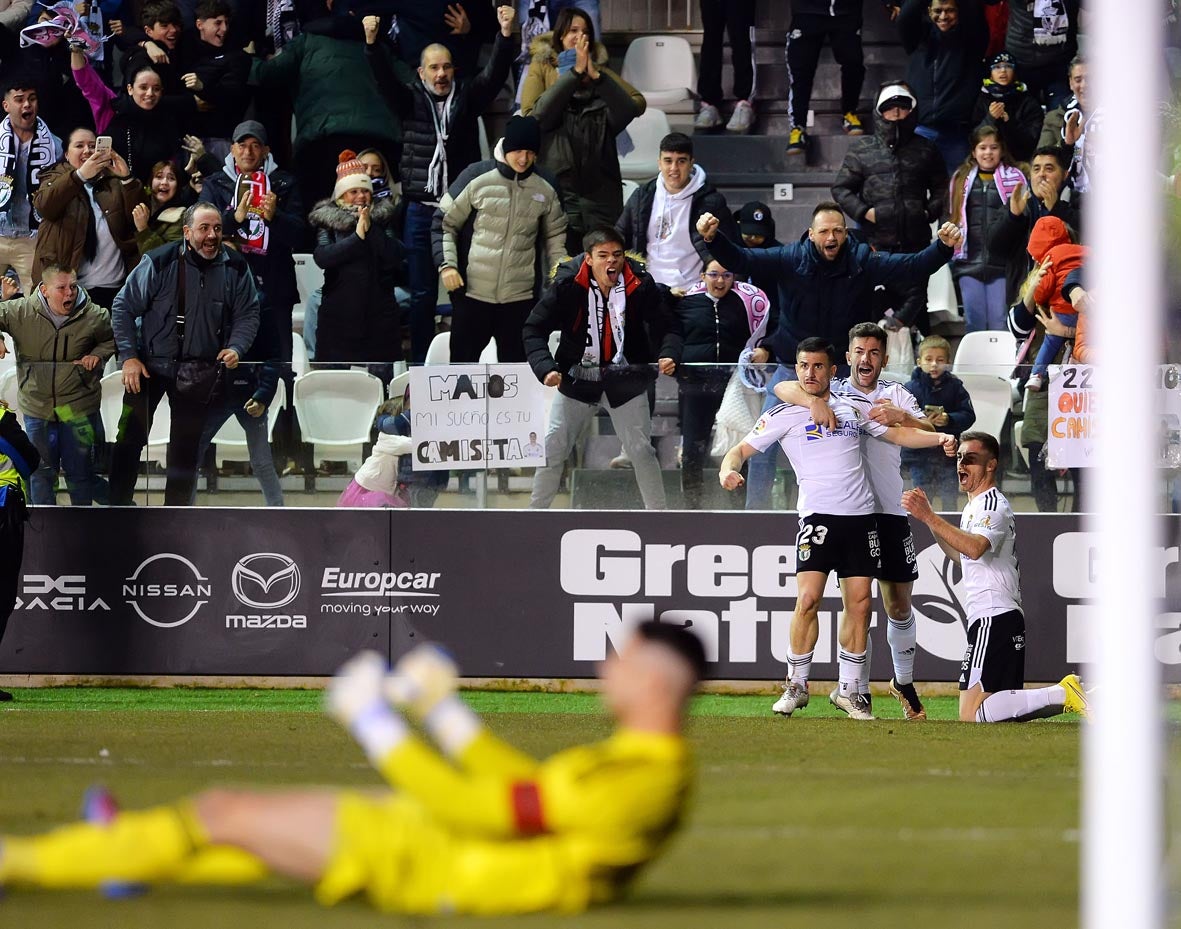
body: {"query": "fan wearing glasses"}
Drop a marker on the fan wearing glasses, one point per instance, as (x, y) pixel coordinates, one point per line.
(719, 317)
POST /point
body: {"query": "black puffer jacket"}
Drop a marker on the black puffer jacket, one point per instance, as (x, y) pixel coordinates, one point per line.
(712, 332)
(414, 104)
(985, 212)
(359, 312)
(902, 177)
(1021, 130)
(945, 68)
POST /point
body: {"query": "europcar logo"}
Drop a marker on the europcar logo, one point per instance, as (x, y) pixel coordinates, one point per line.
(166, 590)
(265, 580)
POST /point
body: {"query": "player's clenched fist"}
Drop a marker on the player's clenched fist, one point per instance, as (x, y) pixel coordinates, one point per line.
(707, 226)
(731, 480)
(949, 444)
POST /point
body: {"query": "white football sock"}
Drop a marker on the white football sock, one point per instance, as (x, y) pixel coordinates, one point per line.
(850, 670)
(799, 667)
(1018, 705)
(902, 635)
(868, 665)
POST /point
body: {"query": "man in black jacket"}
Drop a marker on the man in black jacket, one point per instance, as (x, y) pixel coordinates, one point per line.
(613, 326)
(945, 41)
(894, 184)
(198, 311)
(659, 220)
(18, 461)
(440, 137)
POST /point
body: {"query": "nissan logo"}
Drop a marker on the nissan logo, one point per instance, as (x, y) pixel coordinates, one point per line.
(265, 580)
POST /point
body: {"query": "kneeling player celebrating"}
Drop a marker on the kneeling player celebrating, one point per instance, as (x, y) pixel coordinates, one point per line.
(838, 529)
(985, 546)
(490, 832)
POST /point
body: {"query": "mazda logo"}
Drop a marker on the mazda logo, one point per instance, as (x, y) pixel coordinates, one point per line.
(265, 580)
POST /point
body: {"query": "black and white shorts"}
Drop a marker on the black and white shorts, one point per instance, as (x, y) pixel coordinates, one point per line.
(848, 545)
(899, 563)
(995, 658)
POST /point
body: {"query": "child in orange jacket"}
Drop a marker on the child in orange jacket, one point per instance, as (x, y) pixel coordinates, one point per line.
(1052, 240)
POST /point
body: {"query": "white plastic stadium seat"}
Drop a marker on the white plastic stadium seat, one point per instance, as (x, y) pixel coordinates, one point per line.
(991, 399)
(629, 188)
(111, 408)
(989, 352)
(336, 410)
(230, 441)
(299, 355)
(941, 298)
(8, 392)
(640, 164)
(309, 277)
(9, 360)
(661, 68)
(1018, 435)
(439, 351)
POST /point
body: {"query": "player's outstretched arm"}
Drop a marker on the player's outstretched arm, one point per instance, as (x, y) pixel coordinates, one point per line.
(792, 392)
(909, 437)
(953, 540)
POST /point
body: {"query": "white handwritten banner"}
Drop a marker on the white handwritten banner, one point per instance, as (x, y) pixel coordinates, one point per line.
(1074, 409)
(1073, 405)
(473, 417)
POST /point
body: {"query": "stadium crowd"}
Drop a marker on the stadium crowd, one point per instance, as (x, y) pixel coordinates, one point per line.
(163, 163)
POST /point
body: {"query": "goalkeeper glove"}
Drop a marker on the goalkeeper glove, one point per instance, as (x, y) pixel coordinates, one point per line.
(356, 701)
(421, 679)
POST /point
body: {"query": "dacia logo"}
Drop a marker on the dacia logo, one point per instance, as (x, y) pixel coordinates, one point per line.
(266, 580)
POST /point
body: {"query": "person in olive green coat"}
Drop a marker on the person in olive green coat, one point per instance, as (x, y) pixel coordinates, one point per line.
(62, 340)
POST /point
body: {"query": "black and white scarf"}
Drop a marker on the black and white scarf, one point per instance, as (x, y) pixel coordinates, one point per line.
(436, 178)
(41, 156)
(1050, 22)
(614, 307)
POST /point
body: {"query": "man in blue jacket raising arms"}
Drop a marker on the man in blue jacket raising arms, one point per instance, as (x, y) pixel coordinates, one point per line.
(826, 285)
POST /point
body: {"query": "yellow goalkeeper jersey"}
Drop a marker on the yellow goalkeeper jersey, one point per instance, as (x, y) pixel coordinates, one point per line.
(501, 833)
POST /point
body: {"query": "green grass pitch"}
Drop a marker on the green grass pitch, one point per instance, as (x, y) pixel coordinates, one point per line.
(813, 821)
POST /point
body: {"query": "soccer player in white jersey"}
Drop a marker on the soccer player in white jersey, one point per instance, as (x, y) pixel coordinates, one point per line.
(838, 529)
(893, 405)
(985, 545)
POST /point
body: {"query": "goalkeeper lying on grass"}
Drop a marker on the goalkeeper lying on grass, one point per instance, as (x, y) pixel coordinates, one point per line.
(484, 830)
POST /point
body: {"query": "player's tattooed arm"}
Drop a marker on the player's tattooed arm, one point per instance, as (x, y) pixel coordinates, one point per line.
(792, 392)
